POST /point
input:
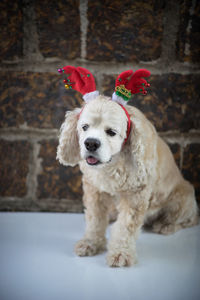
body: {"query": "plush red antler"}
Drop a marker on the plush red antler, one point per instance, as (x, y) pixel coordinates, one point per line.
(128, 83)
(79, 79)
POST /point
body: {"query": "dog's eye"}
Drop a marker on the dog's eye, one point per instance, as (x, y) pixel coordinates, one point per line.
(85, 127)
(110, 132)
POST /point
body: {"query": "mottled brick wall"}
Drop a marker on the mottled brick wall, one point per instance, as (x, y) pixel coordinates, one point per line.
(107, 37)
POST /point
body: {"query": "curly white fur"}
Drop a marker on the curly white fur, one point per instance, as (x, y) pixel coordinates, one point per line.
(140, 177)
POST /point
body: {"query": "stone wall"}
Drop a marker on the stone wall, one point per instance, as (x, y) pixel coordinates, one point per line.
(107, 37)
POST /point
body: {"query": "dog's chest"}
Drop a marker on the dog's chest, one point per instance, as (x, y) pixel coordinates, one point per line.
(111, 181)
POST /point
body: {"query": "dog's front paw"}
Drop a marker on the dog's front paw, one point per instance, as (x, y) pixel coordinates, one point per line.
(87, 247)
(121, 259)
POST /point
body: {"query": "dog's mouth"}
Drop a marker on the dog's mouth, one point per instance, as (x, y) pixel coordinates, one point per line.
(92, 161)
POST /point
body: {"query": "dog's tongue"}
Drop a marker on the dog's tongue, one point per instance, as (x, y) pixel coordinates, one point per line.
(92, 160)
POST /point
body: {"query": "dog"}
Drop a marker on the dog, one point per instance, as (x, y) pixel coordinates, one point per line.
(137, 175)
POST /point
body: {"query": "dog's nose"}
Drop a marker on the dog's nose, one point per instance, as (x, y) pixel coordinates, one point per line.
(92, 144)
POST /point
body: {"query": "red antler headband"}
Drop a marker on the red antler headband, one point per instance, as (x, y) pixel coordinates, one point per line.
(127, 84)
(81, 80)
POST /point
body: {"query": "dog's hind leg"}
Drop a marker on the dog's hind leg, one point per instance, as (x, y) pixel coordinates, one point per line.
(180, 212)
(96, 217)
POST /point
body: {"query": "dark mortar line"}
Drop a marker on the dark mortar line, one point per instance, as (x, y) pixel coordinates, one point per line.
(28, 134)
(194, 134)
(159, 67)
(53, 132)
(38, 135)
(30, 37)
(35, 167)
(39, 205)
(83, 7)
(171, 25)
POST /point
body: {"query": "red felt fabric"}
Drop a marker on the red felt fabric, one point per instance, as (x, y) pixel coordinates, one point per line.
(133, 81)
(81, 79)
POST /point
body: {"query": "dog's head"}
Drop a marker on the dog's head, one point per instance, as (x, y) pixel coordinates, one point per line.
(97, 132)
(102, 127)
(94, 134)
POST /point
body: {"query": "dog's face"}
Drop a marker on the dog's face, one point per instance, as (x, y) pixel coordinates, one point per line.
(102, 129)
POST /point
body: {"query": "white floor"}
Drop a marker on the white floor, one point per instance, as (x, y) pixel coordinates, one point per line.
(37, 262)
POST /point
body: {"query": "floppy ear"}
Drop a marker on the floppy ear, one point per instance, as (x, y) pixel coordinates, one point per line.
(68, 152)
(142, 145)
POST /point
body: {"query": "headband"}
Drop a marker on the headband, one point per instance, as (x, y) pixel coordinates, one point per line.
(127, 84)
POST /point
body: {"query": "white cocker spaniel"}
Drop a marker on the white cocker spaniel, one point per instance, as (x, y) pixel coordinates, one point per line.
(124, 164)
